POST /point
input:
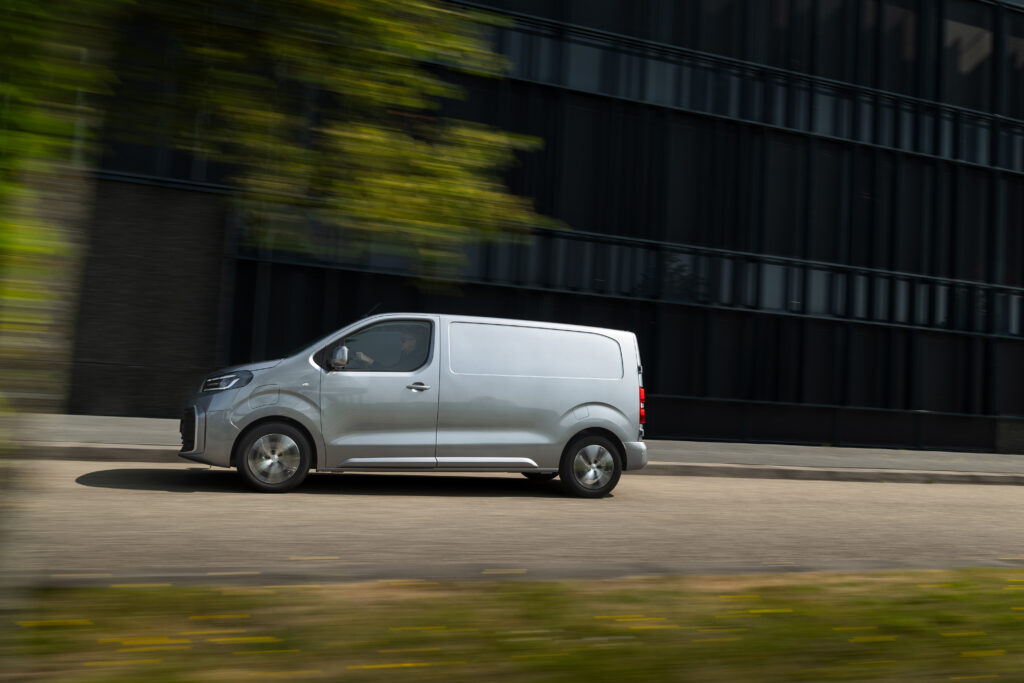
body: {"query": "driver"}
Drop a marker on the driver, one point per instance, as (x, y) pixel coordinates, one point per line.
(410, 354)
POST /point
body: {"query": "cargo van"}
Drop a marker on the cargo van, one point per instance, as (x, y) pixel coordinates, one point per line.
(431, 393)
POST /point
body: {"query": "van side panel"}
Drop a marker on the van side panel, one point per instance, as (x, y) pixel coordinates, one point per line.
(513, 394)
(520, 351)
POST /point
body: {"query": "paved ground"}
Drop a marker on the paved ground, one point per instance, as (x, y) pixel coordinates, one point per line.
(155, 440)
(103, 522)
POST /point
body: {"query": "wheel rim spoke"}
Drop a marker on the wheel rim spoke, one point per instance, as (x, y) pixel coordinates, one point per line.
(274, 458)
(593, 466)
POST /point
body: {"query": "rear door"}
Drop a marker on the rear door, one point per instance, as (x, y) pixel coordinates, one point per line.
(381, 410)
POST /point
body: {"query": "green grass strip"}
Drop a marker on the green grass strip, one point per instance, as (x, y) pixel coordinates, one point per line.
(935, 625)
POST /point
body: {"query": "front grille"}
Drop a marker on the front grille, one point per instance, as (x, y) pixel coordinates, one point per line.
(188, 430)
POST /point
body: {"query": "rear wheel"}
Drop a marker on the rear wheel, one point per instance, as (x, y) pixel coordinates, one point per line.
(540, 476)
(590, 467)
(274, 457)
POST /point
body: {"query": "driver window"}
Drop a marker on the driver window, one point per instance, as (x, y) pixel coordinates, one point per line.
(394, 346)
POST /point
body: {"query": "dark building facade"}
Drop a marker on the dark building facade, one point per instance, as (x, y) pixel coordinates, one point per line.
(811, 212)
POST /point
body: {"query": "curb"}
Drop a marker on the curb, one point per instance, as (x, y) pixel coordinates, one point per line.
(169, 454)
(100, 452)
(829, 474)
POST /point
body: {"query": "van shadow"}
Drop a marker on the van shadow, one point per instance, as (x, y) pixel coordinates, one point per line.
(201, 480)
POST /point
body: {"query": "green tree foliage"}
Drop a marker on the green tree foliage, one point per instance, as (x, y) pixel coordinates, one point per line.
(50, 61)
(328, 111)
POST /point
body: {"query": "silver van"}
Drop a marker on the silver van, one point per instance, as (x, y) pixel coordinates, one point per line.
(432, 393)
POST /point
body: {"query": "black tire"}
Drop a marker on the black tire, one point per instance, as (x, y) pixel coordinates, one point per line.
(540, 476)
(274, 457)
(591, 466)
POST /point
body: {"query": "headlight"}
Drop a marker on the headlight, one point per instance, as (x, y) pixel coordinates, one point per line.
(229, 380)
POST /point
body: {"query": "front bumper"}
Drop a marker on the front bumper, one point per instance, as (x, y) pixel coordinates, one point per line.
(636, 455)
(192, 427)
(207, 435)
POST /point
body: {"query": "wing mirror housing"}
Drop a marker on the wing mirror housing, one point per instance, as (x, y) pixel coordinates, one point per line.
(339, 358)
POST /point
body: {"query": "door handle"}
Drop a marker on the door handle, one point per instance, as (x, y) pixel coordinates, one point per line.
(418, 386)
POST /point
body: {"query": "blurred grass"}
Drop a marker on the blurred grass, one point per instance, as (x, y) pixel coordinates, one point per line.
(937, 625)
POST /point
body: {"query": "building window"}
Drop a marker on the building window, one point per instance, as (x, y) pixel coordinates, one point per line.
(899, 46)
(833, 37)
(1014, 64)
(967, 44)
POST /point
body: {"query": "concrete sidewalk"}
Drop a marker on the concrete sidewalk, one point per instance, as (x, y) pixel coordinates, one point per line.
(83, 437)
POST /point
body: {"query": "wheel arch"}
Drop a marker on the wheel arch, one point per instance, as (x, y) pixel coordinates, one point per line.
(314, 457)
(600, 431)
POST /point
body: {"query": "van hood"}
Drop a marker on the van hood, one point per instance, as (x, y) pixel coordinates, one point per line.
(251, 367)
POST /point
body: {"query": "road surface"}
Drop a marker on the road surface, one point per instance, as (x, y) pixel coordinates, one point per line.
(175, 523)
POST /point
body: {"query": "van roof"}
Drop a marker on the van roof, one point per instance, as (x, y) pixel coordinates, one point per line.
(503, 321)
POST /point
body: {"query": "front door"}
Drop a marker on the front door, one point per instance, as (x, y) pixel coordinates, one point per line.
(381, 409)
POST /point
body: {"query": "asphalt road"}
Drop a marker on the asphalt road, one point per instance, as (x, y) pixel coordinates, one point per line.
(122, 523)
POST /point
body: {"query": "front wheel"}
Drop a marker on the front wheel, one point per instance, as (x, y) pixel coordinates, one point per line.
(590, 467)
(274, 457)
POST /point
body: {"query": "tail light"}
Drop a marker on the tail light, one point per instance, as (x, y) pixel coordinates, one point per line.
(643, 412)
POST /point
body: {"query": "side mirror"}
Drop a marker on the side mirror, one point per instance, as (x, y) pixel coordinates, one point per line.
(339, 358)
